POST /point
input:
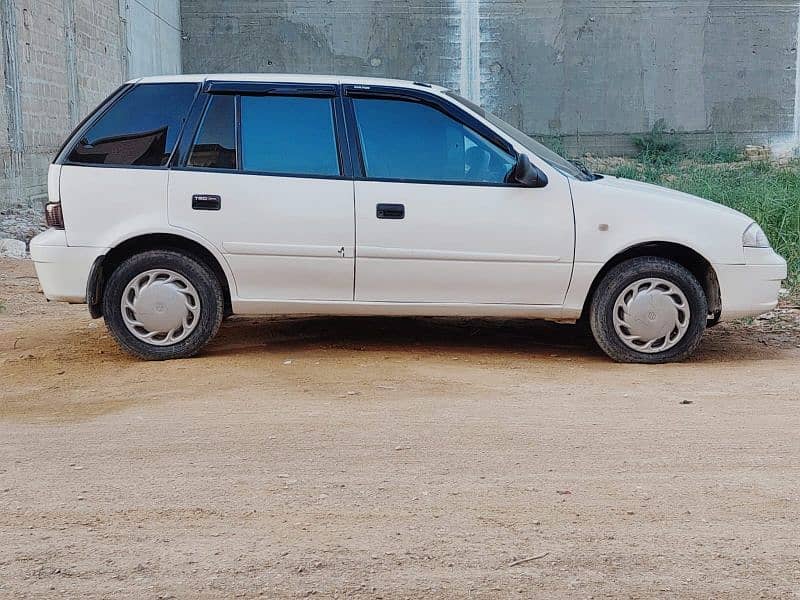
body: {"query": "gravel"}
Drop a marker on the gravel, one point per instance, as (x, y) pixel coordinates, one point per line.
(21, 223)
(10, 248)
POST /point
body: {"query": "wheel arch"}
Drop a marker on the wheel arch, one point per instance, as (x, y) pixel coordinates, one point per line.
(689, 258)
(105, 265)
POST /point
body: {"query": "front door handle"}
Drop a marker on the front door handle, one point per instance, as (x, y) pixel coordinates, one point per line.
(206, 202)
(390, 211)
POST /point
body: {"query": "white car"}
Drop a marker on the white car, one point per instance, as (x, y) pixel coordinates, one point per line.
(185, 199)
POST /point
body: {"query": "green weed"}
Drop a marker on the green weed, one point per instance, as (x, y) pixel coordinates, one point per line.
(659, 146)
(719, 154)
(556, 144)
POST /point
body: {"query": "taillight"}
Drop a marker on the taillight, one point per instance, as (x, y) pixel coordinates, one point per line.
(53, 215)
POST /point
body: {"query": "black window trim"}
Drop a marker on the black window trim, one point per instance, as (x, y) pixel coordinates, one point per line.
(107, 105)
(240, 89)
(443, 105)
(237, 130)
(190, 130)
(265, 88)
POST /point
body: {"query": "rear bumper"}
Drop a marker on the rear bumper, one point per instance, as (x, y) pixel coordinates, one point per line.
(63, 270)
(751, 289)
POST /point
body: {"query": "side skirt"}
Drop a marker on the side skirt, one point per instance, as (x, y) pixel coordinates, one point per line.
(422, 309)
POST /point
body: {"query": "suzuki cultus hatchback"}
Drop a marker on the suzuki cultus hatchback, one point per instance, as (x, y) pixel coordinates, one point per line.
(185, 199)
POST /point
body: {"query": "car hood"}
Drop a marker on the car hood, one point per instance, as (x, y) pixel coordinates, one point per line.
(647, 192)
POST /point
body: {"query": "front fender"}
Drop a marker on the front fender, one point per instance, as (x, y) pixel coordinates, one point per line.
(612, 215)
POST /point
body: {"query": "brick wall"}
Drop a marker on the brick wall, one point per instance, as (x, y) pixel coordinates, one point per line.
(63, 57)
(59, 59)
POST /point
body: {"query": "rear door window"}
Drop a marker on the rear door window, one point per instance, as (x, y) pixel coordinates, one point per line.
(289, 135)
(140, 129)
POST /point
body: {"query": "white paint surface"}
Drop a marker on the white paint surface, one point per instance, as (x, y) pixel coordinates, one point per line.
(280, 241)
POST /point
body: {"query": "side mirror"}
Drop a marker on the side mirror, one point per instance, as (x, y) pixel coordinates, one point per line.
(527, 174)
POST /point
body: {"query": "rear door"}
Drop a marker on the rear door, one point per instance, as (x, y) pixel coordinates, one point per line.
(264, 180)
(435, 218)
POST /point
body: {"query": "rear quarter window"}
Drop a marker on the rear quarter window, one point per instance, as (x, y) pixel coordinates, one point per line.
(140, 129)
(215, 144)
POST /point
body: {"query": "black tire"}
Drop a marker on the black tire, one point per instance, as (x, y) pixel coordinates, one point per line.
(601, 311)
(196, 272)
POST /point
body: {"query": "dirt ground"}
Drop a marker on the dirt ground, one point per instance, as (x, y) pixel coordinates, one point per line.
(394, 458)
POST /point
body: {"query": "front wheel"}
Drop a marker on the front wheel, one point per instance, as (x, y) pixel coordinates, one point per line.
(163, 304)
(648, 310)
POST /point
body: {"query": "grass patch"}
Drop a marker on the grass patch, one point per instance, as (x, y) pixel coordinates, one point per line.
(765, 191)
(659, 146)
(555, 143)
(719, 154)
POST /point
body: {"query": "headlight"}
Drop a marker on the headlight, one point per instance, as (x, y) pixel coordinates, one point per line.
(754, 237)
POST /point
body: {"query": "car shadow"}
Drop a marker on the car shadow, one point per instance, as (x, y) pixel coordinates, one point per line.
(534, 337)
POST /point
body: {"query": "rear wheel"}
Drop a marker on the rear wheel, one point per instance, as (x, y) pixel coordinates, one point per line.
(648, 310)
(163, 304)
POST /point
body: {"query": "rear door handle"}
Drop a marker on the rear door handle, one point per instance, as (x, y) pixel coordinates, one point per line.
(206, 202)
(390, 211)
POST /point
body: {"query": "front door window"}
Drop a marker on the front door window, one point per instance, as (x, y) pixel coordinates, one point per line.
(411, 141)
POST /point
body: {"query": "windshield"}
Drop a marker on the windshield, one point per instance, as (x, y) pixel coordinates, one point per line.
(551, 158)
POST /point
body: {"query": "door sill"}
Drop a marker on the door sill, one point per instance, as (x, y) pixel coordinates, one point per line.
(426, 309)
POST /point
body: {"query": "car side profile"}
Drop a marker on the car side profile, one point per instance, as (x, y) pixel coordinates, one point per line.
(182, 200)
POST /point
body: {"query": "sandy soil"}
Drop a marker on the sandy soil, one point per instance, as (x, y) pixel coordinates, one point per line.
(394, 458)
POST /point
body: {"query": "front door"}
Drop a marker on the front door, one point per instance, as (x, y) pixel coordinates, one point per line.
(271, 197)
(435, 220)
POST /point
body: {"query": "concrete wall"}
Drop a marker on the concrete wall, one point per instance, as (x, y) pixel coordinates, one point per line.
(153, 36)
(59, 59)
(592, 72)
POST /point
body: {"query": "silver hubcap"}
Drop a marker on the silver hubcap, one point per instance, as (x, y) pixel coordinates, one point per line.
(160, 307)
(651, 315)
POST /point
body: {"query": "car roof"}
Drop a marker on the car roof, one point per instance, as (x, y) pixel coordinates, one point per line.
(284, 78)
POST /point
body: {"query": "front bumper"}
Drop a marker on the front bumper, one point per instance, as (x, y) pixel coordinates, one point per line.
(751, 289)
(63, 270)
